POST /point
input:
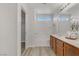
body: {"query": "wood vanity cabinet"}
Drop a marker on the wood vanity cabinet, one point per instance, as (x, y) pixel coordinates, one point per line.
(62, 48)
(59, 48)
(76, 53)
(70, 50)
(53, 43)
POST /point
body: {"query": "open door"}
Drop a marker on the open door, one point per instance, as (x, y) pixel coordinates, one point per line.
(22, 31)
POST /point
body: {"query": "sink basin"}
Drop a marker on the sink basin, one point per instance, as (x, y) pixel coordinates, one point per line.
(70, 38)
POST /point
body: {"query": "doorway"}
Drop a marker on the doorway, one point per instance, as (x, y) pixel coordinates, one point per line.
(22, 31)
(41, 30)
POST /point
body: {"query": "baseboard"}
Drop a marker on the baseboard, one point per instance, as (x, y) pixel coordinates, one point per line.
(39, 46)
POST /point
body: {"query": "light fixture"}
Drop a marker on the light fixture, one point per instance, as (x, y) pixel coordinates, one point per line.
(65, 6)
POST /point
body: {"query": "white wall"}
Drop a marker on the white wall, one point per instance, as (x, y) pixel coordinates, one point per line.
(29, 19)
(8, 29)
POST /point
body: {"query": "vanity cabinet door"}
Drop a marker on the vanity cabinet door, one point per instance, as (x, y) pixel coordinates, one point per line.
(59, 51)
(76, 53)
(59, 48)
(70, 50)
(52, 43)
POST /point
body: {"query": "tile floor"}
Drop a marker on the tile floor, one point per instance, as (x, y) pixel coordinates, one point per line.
(39, 51)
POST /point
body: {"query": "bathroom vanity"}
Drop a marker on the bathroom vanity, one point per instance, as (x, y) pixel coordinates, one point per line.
(63, 46)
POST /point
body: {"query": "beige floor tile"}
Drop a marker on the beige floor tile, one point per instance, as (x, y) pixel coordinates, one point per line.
(39, 51)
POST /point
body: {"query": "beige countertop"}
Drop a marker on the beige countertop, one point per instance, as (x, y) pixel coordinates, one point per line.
(69, 41)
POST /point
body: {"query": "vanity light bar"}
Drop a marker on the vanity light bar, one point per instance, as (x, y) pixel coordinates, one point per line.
(64, 7)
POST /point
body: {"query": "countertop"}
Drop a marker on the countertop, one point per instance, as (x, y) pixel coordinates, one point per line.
(74, 43)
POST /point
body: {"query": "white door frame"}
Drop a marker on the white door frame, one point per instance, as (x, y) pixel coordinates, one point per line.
(18, 30)
(20, 7)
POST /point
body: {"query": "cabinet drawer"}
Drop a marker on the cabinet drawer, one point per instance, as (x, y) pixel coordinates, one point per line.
(59, 43)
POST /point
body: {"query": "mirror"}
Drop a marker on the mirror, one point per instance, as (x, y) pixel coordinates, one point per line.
(75, 24)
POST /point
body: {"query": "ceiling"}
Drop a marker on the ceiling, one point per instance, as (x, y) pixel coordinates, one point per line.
(46, 7)
(74, 9)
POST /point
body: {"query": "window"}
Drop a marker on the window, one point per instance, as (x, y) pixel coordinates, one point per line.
(43, 18)
(63, 18)
(42, 22)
